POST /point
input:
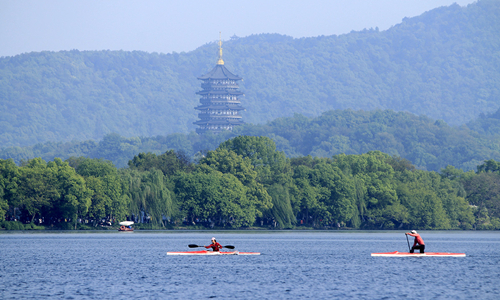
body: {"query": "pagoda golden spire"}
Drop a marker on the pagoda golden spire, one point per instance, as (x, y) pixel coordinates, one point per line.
(220, 61)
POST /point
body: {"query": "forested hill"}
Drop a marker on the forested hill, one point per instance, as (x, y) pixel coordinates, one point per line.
(443, 64)
(428, 144)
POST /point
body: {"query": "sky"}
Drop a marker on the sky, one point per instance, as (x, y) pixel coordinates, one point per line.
(167, 26)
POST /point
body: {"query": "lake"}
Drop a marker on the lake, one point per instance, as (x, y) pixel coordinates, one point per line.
(293, 265)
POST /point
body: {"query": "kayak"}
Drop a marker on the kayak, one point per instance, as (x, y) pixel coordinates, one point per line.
(212, 253)
(406, 254)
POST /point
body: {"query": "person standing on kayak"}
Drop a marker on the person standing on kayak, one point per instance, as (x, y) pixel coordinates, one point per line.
(418, 242)
(214, 245)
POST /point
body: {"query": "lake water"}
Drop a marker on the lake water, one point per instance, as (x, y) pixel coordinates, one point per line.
(293, 265)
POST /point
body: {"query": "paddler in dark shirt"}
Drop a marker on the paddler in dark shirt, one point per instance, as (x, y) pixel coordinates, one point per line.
(215, 246)
(418, 242)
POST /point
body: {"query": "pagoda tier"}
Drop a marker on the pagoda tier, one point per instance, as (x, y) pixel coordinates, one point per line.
(220, 106)
(223, 108)
(218, 93)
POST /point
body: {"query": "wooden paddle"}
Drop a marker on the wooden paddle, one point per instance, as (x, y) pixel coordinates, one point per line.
(408, 242)
(196, 246)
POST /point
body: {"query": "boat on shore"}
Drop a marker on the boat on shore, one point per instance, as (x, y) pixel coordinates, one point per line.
(426, 254)
(126, 226)
(205, 252)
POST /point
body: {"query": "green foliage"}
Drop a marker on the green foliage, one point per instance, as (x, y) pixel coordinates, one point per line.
(322, 192)
(418, 192)
(225, 189)
(271, 165)
(169, 162)
(374, 193)
(483, 192)
(281, 210)
(418, 141)
(50, 189)
(76, 196)
(489, 166)
(228, 162)
(102, 179)
(148, 193)
(37, 187)
(11, 225)
(373, 171)
(9, 178)
(214, 197)
(487, 124)
(425, 143)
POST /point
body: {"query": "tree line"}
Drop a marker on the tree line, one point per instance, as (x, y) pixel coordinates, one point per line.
(246, 183)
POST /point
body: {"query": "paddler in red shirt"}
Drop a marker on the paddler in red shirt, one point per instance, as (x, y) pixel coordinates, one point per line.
(418, 242)
(215, 246)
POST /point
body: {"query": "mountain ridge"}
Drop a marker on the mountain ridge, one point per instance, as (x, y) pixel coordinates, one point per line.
(441, 64)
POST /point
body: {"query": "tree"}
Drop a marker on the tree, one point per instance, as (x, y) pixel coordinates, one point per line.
(419, 192)
(102, 178)
(52, 190)
(483, 191)
(228, 162)
(169, 162)
(37, 187)
(489, 166)
(375, 191)
(281, 211)
(307, 207)
(149, 195)
(218, 198)
(75, 197)
(9, 177)
(271, 166)
(324, 193)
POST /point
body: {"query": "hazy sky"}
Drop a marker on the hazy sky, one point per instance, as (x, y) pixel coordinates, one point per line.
(184, 25)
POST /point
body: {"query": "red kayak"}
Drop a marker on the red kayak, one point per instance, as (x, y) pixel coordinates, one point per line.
(204, 252)
(406, 254)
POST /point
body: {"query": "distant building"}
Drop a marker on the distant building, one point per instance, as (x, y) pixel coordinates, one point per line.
(219, 104)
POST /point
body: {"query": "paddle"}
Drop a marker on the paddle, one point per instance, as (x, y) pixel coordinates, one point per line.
(196, 246)
(408, 242)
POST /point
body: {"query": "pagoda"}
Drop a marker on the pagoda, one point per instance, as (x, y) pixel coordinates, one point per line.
(219, 104)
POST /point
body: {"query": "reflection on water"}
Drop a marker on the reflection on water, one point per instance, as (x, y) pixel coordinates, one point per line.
(313, 264)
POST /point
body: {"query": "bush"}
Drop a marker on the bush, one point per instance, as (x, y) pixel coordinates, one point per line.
(65, 226)
(12, 225)
(495, 223)
(33, 226)
(84, 227)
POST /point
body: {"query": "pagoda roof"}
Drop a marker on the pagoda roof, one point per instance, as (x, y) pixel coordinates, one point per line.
(219, 92)
(219, 72)
(218, 122)
(227, 106)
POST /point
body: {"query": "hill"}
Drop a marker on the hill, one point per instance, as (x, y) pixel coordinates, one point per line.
(443, 64)
(428, 144)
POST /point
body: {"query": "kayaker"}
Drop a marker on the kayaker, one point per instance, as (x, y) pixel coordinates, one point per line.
(418, 243)
(214, 245)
